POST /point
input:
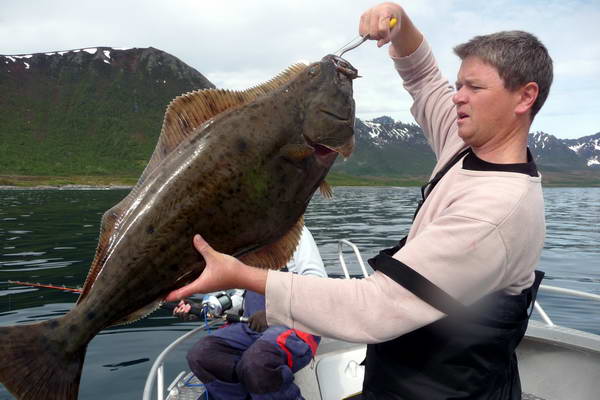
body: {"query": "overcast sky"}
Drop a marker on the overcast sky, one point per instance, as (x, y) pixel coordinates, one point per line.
(240, 43)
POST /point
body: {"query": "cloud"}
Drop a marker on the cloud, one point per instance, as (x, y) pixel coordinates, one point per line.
(238, 44)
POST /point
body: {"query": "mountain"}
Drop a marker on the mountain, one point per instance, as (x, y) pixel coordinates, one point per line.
(587, 147)
(89, 111)
(98, 112)
(554, 154)
(389, 149)
(385, 148)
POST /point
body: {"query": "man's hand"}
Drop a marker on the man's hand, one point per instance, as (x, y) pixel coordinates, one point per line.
(404, 37)
(182, 311)
(220, 273)
(258, 321)
(375, 22)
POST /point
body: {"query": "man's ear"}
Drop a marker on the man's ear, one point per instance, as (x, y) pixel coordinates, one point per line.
(528, 94)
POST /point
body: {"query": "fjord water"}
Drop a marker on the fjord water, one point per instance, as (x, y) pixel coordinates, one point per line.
(50, 236)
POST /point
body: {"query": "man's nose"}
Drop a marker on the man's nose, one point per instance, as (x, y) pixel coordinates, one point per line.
(459, 97)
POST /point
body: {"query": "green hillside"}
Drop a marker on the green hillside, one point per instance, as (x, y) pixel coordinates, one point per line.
(87, 114)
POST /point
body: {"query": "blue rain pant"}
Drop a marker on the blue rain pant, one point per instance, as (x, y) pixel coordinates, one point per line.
(235, 362)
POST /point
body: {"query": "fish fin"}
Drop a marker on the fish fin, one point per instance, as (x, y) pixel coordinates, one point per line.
(296, 152)
(326, 190)
(108, 227)
(276, 255)
(35, 365)
(139, 314)
(189, 111)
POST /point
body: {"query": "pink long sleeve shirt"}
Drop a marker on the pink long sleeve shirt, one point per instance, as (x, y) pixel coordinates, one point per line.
(478, 232)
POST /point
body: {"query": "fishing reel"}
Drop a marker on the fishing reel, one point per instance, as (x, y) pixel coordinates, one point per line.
(216, 304)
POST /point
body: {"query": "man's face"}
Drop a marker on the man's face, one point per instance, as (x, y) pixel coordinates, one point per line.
(484, 106)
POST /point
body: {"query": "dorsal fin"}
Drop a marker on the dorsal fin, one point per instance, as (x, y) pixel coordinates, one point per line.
(189, 111)
(184, 115)
(276, 255)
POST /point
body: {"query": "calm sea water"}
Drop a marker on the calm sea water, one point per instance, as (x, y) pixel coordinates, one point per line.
(50, 236)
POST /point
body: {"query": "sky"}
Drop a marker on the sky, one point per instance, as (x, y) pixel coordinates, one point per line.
(238, 44)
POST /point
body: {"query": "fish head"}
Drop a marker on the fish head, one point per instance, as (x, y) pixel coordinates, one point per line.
(328, 107)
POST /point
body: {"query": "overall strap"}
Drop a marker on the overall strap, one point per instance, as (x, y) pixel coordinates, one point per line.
(428, 187)
(435, 296)
(416, 283)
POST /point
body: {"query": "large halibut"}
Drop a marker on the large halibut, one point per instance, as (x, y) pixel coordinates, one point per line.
(238, 168)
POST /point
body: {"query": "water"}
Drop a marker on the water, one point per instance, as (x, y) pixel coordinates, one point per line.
(50, 236)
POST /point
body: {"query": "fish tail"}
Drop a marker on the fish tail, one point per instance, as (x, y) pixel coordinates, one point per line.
(36, 363)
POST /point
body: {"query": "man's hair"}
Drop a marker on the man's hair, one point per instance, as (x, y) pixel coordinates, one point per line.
(518, 56)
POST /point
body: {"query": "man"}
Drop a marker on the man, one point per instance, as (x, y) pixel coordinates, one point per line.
(253, 360)
(445, 309)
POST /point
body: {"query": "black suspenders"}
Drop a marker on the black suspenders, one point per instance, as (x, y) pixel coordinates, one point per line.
(428, 187)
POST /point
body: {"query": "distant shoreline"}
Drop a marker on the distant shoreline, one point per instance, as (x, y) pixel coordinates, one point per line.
(129, 187)
(74, 182)
(66, 187)
(8, 182)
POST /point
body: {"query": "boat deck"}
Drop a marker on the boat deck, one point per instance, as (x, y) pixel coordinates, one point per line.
(193, 390)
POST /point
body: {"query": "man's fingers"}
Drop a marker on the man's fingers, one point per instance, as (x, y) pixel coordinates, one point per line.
(202, 245)
(374, 25)
(384, 30)
(363, 26)
(180, 293)
(206, 251)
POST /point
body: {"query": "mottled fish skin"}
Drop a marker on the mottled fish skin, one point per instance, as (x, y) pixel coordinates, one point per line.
(229, 181)
(232, 180)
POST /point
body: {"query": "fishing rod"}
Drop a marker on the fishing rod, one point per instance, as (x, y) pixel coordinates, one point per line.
(216, 305)
(42, 285)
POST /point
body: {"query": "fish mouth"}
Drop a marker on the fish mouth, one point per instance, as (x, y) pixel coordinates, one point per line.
(344, 67)
(326, 154)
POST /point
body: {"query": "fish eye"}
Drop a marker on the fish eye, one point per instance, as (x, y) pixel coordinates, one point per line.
(314, 70)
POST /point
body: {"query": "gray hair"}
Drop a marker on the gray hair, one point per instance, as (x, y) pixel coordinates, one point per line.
(518, 56)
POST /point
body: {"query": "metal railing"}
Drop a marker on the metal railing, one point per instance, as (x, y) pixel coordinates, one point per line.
(356, 253)
(569, 292)
(157, 371)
